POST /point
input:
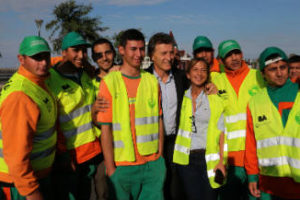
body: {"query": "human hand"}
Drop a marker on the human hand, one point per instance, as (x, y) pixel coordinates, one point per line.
(253, 189)
(211, 88)
(100, 105)
(36, 195)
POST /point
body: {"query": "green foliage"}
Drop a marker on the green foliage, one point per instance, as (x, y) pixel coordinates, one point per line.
(69, 16)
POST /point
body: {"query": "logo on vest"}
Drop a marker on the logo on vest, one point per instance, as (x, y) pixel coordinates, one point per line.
(253, 90)
(65, 87)
(262, 118)
(46, 100)
(297, 117)
(151, 103)
(222, 92)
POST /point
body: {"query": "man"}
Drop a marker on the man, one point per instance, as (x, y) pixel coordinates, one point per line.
(273, 132)
(203, 48)
(27, 126)
(236, 85)
(71, 83)
(173, 83)
(103, 53)
(294, 67)
(132, 127)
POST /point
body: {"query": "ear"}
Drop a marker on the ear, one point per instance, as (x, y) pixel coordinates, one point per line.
(121, 50)
(21, 59)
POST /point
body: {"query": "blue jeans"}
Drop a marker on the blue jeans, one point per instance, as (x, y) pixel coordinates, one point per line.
(195, 180)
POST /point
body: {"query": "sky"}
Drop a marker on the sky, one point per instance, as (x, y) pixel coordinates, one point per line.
(255, 24)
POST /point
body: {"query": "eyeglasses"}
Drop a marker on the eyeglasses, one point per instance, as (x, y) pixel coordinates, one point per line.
(97, 56)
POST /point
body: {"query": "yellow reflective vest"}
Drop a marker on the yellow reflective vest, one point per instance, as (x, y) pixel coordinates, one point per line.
(277, 147)
(184, 135)
(146, 116)
(235, 106)
(74, 108)
(44, 141)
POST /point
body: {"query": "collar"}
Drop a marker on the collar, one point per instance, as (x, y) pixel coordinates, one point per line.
(237, 72)
(170, 77)
(32, 77)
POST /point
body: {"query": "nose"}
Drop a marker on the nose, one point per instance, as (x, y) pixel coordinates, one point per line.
(104, 56)
(279, 71)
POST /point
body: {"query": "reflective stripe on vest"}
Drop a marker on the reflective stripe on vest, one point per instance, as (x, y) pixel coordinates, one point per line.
(235, 111)
(72, 115)
(75, 108)
(278, 147)
(146, 120)
(283, 160)
(78, 130)
(146, 116)
(44, 140)
(183, 139)
(235, 118)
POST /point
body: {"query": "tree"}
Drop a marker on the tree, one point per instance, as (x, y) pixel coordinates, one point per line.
(38, 23)
(69, 16)
(116, 42)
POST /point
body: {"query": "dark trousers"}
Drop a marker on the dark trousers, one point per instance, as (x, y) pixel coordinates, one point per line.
(195, 180)
(173, 185)
(236, 187)
(71, 185)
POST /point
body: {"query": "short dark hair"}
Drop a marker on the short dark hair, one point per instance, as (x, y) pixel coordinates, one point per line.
(131, 34)
(294, 58)
(194, 61)
(196, 51)
(159, 38)
(102, 41)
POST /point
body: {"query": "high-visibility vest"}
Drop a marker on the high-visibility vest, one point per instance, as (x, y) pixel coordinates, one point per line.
(235, 106)
(184, 135)
(146, 116)
(74, 108)
(277, 147)
(44, 141)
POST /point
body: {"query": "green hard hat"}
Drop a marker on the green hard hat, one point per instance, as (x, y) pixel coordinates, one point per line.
(73, 39)
(32, 45)
(202, 42)
(263, 62)
(226, 46)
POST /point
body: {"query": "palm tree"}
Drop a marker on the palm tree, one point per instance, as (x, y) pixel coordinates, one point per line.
(69, 16)
(38, 23)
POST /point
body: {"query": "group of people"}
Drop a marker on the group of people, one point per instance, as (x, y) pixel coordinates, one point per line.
(218, 130)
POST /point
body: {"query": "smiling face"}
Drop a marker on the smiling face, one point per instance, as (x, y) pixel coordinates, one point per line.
(294, 69)
(233, 60)
(276, 74)
(133, 53)
(38, 64)
(163, 57)
(198, 74)
(77, 55)
(104, 56)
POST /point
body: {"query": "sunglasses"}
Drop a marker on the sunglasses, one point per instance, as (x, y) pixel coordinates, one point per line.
(97, 56)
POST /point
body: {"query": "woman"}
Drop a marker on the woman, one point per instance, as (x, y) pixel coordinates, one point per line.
(200, 136)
